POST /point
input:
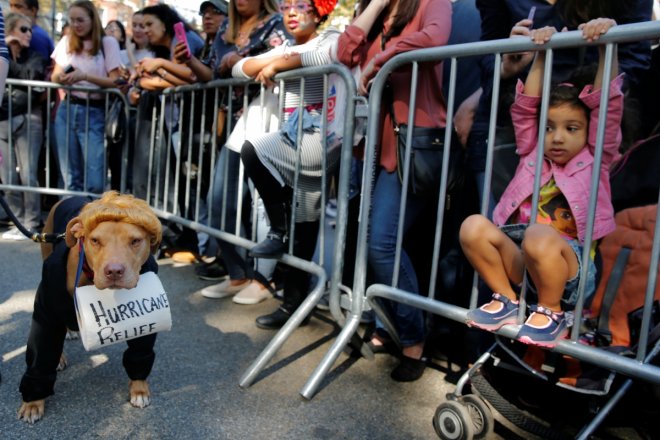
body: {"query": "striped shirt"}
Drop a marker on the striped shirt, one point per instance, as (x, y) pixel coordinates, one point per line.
(4, 52)
(276, 153)
(315, 52)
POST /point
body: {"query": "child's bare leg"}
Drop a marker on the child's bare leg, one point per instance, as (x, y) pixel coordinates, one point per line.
(551, 262)
(493, 255)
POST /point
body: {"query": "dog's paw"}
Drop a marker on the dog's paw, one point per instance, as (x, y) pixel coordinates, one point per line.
(139, 394)
(140, 400)
(70, 334)
(61, 366)
(32, 412)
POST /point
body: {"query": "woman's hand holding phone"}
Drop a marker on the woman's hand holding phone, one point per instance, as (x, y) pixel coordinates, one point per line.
(181, 53)
(180, 34)
(70, 75)
(514, 63)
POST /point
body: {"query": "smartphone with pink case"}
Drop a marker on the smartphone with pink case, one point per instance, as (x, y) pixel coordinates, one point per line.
(180, 34)
(530, 16)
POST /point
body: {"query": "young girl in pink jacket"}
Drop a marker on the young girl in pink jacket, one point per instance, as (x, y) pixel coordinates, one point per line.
(551, 248)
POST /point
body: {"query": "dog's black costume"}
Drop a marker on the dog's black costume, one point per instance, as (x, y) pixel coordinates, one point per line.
(54, 311)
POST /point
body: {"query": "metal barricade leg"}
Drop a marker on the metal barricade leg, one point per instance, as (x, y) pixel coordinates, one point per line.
(312, 384)
(283, 334)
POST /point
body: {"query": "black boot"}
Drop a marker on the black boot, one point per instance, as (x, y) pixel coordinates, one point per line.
(296, 281)
(274, 246)
(277, 319)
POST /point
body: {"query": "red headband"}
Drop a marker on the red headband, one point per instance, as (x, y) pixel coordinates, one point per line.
(324, 7)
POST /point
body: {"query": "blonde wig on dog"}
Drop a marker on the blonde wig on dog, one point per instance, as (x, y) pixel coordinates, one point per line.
(115, 207)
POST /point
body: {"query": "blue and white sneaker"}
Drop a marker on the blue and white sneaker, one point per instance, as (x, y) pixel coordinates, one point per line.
(493, 320)
(550, 334)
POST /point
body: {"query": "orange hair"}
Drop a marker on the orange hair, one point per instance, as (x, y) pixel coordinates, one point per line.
(115, 207)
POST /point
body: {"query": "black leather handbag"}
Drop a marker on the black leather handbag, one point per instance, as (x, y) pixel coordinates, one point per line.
(426, 157)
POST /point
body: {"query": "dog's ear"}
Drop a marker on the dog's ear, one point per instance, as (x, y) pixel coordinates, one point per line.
(74, 230)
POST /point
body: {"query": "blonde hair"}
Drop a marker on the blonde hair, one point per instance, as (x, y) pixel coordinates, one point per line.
(268, 8)
(76, 45)
(13, 18)
(115, 207)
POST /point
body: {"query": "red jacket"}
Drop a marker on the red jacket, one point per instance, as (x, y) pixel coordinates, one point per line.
(430, 28)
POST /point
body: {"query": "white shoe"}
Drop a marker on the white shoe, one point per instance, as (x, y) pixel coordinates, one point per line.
(223, 289)
(252, 294)
(14, 234)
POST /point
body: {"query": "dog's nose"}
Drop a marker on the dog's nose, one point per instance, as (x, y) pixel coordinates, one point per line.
(114, 271)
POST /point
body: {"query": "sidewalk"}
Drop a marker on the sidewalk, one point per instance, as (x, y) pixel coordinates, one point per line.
(195, 379)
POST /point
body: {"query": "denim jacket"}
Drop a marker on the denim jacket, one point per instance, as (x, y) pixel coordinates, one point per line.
(574, 177)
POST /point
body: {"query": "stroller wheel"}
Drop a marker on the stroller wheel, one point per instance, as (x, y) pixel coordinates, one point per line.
(481, 416)
(452, 422)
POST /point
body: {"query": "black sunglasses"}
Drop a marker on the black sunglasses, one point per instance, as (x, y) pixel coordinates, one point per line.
(212, 11)
(25, 29)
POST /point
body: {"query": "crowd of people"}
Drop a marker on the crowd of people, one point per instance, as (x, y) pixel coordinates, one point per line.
(259, 38)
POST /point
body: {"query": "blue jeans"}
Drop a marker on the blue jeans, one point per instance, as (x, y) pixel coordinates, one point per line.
(82, 160)
(234, 260)
(409, 321)
(20, 164)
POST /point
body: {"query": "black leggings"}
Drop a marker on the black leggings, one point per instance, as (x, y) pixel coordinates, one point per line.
(271, 191)
(276, 197)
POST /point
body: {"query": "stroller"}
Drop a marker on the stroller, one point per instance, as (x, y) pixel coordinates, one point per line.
(549, 395)
(471, 415)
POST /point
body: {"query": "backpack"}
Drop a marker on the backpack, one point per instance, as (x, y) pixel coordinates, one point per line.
(626, 255)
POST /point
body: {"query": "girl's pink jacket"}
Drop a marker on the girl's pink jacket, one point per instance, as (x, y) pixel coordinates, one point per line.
(574, 177)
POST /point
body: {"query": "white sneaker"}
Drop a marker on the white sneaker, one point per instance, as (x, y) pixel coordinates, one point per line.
(252, 294)
(223, 289)
(14, 234)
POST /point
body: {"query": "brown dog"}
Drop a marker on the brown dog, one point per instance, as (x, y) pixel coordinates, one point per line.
(118, 233)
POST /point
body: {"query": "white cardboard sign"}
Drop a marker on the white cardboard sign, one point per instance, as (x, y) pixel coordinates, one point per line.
(108, 316)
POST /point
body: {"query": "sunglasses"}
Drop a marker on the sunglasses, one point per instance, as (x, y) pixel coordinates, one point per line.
(211, 11)
(300, 7)
(25, 29)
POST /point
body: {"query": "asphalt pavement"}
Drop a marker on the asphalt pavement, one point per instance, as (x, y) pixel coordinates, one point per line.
(194, 383)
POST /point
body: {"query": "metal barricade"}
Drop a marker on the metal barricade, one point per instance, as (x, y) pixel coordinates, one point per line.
(44, 99)
(362, 297)
(177, 195)
(177, 145)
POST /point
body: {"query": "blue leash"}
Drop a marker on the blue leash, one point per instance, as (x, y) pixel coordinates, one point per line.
(81, 259)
